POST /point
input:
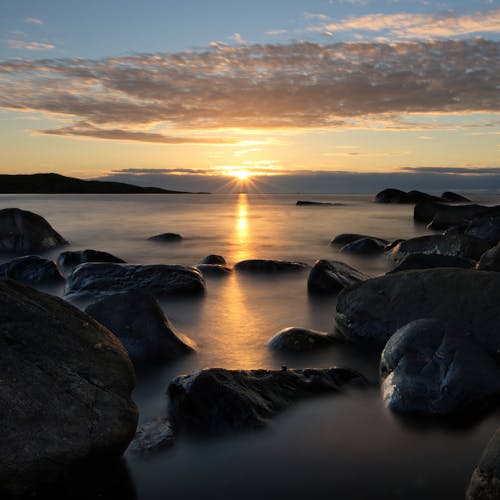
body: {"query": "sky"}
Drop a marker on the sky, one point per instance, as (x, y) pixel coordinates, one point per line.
(316, 95)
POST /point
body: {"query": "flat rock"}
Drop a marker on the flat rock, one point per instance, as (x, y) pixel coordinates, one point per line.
(26, 232)
(214, 259)
(71, 259)
(346, 238)
(331, 276)
(31, 270)
(216, 400)
(429, 369)
(298, 340)
(153, 437)
(318, 203)
(65, 390)
(166, 237)
(94, 280)
(490, 260)
(431, 261)
(269, 266)
(137, 319)
(365, 246)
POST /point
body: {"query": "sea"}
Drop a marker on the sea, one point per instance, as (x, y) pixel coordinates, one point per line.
(342, 447)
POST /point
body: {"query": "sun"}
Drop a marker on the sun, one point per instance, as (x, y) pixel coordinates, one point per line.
(242, 175)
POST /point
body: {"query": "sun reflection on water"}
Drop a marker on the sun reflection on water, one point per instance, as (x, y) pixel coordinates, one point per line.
(242, 228)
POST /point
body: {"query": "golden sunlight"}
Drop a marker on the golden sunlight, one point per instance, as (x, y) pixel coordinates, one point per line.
(241, 174)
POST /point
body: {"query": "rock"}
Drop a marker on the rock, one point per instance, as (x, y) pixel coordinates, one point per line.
(71, 259)
(214, 259)
(456, 229)
(297, 340)
(392, 244)
(216, 400)
(331, 276)
(137, 319)
(431, 370)
(485, 228)
(456, 245)
(268, 266)
(31, 270)
(425, 211)
(490, 260)
(65, 390)
(25, 232)
(455, 215)
(153, 437)
(365, 246)
(391, 195)
(485, 481)
(214, 269)
(346, 238)
(454, 197)
(166, 237)
(93, 280)
(430, 261)
(318, 203)
(466, 299)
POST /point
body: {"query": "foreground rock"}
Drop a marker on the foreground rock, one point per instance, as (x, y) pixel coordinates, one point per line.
(32, 270)
(72, 259)
(101, 279)
(26, 232)
(65, 390)
(214, 269)
(464, 299)
(166, 237)
(153, 437)
(429, 369)
(444, 216)
(365, 246)
(485, 481)
(298, 340)
(268, 266)
(490, 260)
(137, 319)
(485, 228)
(431, 261)
(331, 276)
(346, 238)
(216, 400)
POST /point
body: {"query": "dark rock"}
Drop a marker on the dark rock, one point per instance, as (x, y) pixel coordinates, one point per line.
(346, 238)
(418, 196)
(456, 215)
(331, 276)
(100, 279)
(214, 269)
(466, 299)
(166, 237)
(216, 400)
(427, 369)
(485, 481)
(365, 246)
(25, 232)
(320, 203)
(430, 261)
(214, 259)
(485, 228)
(268, 266)
(65, 390)
(454, 197)
(153, 437)
(31, 270)
(392, 244)
(297, 340)
(425, 211)
(456, 229)
(456, 245)
(490, 260)
(137, 319)
(72, 259)
(391, 195)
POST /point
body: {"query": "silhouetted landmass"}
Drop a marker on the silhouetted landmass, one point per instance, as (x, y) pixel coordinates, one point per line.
(58, 184)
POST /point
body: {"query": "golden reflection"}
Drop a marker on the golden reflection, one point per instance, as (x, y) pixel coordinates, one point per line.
(242, 230)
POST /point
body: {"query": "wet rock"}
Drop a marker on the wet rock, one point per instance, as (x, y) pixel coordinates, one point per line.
(214, 259)
(94, 280)
(216, 400)
(454, 197)
(153, 437)
(365, 246)
(392, 244)
(25, 232)
(65, 390)
(331, 276)
(166, 237)
(485, 481)
(214, 269)
(485, 228)
(318, 203)
(466, 299)
(31, 270)
(490, 260)
(431, 261)
(268, 266)
(71, 259)
(456, 229)
(297, 340)
(391, 195)
(137, 319)
(444, 216)
(346, 238)
(431, 370)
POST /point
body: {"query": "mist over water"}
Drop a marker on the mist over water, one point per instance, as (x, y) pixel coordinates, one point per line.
(343, 447)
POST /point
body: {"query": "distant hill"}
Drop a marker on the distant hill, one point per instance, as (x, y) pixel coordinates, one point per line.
(59, 184)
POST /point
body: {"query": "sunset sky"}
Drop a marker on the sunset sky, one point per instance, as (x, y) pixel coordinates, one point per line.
(304, 93)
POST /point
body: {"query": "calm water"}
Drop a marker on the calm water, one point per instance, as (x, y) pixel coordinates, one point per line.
(346, 447)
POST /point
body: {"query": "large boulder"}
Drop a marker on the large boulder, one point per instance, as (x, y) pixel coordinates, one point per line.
(216, 400)
(454, 197)
(214, 259)
(31, 270)
(268, 266)
(485, 481)
(214, 269)
(26, 232)
(427, 368)
(71, 259)
(490, 260)
(485, 228)
(137, 319)
(65, 390)
(99, 279)
(444, 216)
(466, 299)
(331, 276)
(365, 246)
(431, 261)
(391, 195)
(298, 340)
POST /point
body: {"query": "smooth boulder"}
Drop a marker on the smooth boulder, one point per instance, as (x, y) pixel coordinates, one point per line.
(214, 269)
(31, 270)
(26, 232)
(490, 260)
(454, 197)
(485, 228)
(166, 238)
(137, 319)
(71, 259)
(365, 246)
(331, 276)
(268, 266)
(65, 390)
(217, 400)
(298, 340)
(346, 238)
(152, 437)
(431, 261)
(214, 259)
(93, 280)
(391, 195)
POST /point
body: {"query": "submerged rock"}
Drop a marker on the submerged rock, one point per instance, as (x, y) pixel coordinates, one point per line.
(137, 319)
(214, 269)
(153, 437)
(216, 400)
(346, 238)
(25, 232)
(331, 276)
(490, 260)
(65, 390)
(431, 261)
(268, 266)
(72, 259)
(100, 279)
(320, 203)
(365, 246)
(214, 259)
(429, 369)
(31, 270)
(166, 237)
(297, 340)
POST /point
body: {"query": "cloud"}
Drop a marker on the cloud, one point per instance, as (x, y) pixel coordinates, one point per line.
(24, 45)
(33, 20)
(454, 170)
(299, 85)
(237, 38)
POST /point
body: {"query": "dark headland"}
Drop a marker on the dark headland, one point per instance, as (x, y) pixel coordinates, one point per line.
(59, 184)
